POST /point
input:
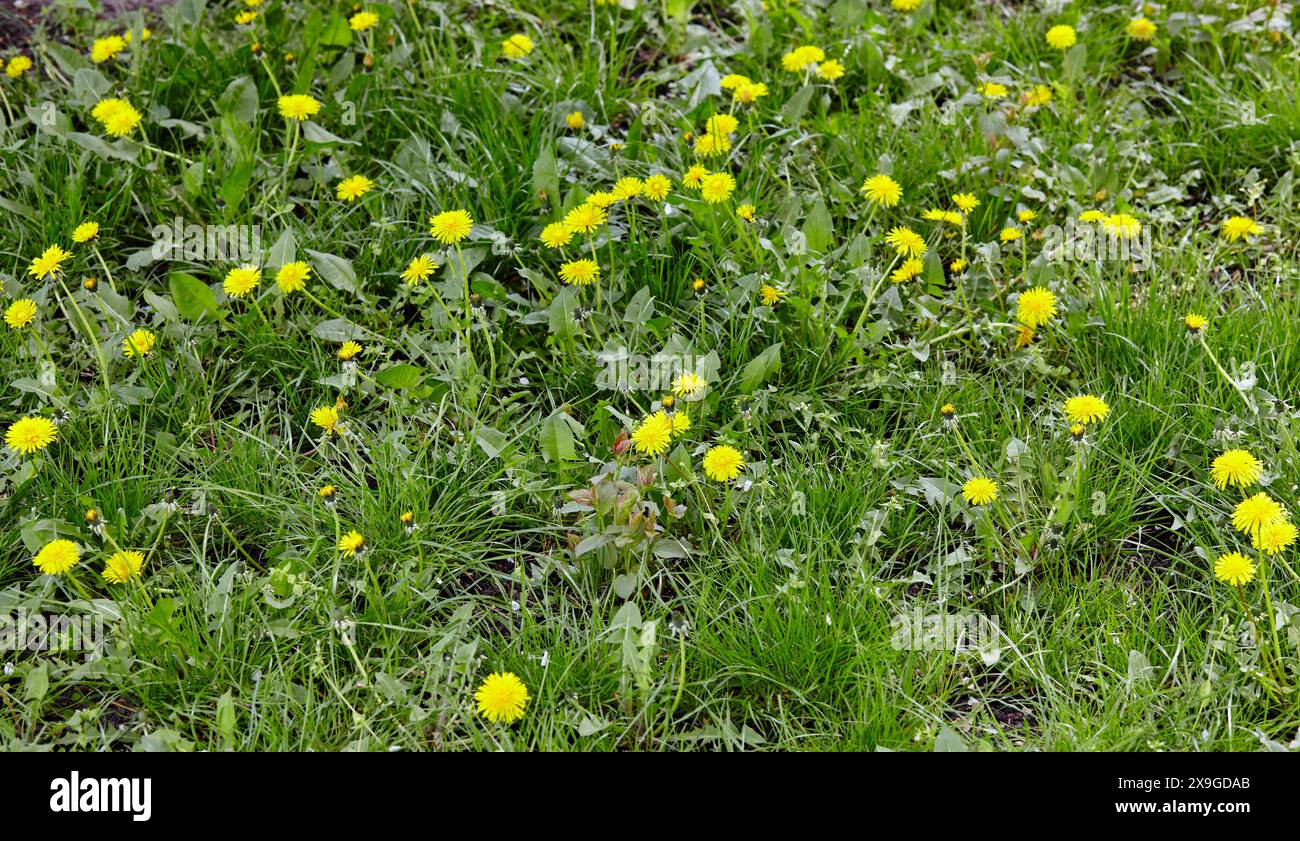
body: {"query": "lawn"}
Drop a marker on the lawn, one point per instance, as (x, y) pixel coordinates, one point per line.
(844, 375)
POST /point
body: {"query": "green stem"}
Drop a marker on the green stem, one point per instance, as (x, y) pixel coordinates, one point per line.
(91, 333)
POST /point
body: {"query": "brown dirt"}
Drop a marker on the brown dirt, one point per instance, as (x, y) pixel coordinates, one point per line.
(20, 18)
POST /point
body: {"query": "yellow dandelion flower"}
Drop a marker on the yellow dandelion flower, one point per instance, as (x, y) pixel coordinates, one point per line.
(241, 280)
(362, 21)
(57, 557)
(20, 313)
(959, 265)
(721, 125)
(298, 106)
(1036, 307)
(556, 235)
(117, 116)
(712, 145)
(139, 344)
(653, 434)
(580, 272)
(771, 295)
(419, 269)
(746, 212)
(1234, 569)
(688, 384)
(1275, 537)
(749, 94)
(911, 268)
(292, 277)
(1037, 96)
(906, 242)
(801, 58)
(450, 226)
(122, 566)
(103, 49)
(1140, 29)
(517, 46)
(1122, 225)
(1009, 234)
(657, 187)
(723, 463)
(1237, 468)
(882, 190)
(979, 490)
(17, 66)
(1092, 216)
(85, 232)
(830, 70)
(628, 188)
(326, 417)
(1255, 512)
(717, 187)
(966, 202)
(349, 350)
(574, 120)
(585, 218)
(1086, 409)
(993, 90)
(29, 434)
(501, 698)
(350, 189)
(1237, 228)
(50, 263)
(694, 177)
(352, 543)
(1062, 37)
(1195, 322)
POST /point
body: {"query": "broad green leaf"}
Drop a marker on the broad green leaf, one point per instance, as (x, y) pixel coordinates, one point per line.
(400, 376)
(556, 437)
(796, 106)
(641, 308)
(819, 228)
(546, 176)
(226, 716)
(1075, 60)
(194, 299)
(315, 135)
(37, 683)
(334, 270)
(760, 368)
(239, 100)
(284, 250)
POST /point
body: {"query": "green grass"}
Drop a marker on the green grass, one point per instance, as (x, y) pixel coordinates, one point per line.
(249, 630)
